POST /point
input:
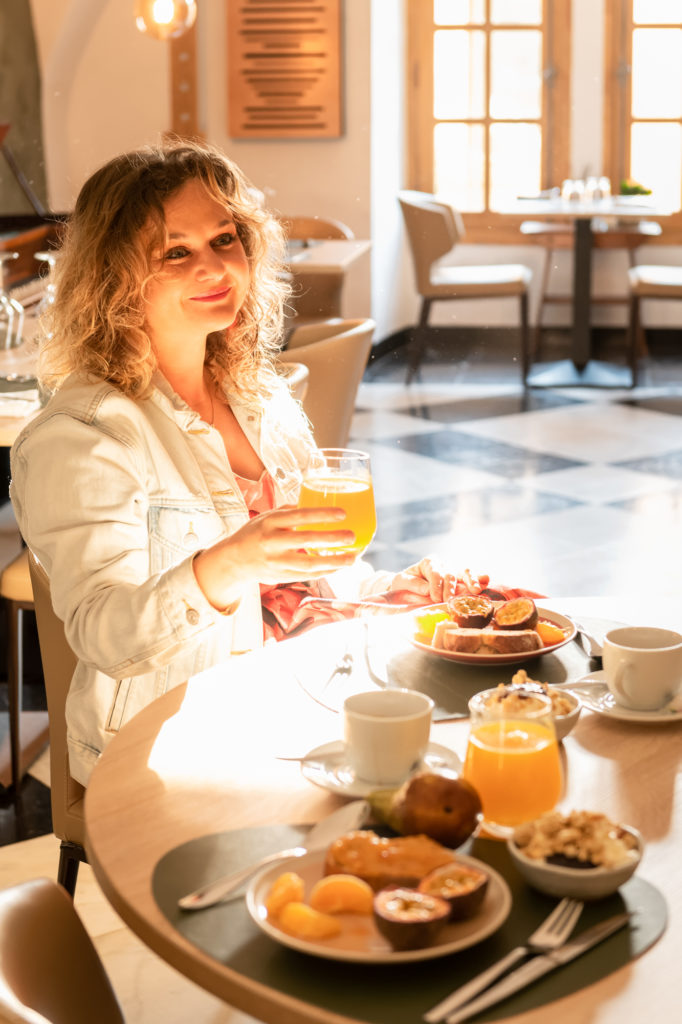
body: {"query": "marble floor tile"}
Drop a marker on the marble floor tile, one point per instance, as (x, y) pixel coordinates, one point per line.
(398, 472)
(601, 484)
(605, 433)
(463, 448)
(380, 423)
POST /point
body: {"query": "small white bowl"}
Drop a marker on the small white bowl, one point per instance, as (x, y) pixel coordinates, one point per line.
(581, 883)
(564, 723)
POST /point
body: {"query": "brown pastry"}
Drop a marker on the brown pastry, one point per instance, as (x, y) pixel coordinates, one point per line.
(403, 860)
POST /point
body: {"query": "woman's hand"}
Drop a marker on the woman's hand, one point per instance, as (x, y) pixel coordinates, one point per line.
(272, 548)
(425, 582)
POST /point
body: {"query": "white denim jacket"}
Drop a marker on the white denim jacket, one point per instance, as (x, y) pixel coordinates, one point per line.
(114, 497)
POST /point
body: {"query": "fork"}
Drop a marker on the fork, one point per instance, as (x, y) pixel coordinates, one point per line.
(551, 934)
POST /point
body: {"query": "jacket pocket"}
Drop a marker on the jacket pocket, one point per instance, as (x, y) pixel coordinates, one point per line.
(176, 532)
(115, 718)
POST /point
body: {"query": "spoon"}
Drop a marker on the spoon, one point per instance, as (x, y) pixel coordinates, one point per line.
(344, 819)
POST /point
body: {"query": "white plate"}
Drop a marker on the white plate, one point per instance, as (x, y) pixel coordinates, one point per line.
(506, 659)
(327, 766)
(360, 940)
(596, 696)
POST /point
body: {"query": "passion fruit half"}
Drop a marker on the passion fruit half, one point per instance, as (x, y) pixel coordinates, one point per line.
(471, 612)
(461, 885)
(519, 613)
(408, 918)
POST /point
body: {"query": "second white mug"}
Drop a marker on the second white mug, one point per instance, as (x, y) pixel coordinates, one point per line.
(386, 733)
(643, 666)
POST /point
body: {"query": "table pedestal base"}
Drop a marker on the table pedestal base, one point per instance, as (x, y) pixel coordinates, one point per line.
(565, 374)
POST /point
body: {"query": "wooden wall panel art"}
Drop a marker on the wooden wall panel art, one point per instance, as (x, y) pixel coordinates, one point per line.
(284, 69)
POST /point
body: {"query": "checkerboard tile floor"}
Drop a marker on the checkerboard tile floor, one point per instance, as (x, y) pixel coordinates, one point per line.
(573, 492)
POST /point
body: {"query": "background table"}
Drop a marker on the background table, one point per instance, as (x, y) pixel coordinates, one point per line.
(581, 369)
(201, 760)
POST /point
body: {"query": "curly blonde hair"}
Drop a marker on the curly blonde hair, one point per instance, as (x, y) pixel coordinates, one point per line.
(96, 325)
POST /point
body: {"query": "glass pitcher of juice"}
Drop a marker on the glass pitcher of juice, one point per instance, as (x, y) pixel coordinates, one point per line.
(512, 758)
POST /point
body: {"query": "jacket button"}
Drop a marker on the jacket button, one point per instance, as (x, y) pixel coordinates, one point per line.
(192, 616)
(280, 474)
(190, 540)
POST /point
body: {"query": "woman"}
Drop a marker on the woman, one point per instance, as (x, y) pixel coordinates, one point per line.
(157, 485)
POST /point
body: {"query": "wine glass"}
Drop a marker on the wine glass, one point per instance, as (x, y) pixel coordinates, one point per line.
(11, 311)
(50, 257)
(342, 478)
(512, 758)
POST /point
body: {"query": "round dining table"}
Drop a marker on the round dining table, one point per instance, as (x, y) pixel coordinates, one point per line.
(590, 217)
(220, 755)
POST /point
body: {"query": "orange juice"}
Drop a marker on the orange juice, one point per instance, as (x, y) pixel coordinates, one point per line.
(354, 495)
(514, 765)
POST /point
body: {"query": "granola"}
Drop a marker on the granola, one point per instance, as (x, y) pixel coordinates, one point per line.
(583, 836)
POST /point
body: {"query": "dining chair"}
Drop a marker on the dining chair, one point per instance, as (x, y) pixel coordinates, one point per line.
(648, 281)
(315, 296)
(66, 795)
(17, 594)
(560, 235)
(434, 229)
(50, 971)
(336, 354)
(296, 376)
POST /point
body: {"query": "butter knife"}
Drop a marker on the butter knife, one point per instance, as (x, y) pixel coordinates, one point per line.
(540, 966)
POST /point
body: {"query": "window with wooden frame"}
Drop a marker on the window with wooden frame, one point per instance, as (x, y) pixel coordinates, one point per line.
(643, 108)
(488, 105)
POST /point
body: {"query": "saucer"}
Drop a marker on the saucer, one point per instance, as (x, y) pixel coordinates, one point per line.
(327, 766)
(596, 696)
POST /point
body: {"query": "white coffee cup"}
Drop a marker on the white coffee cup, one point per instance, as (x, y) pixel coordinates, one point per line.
(643, 666)
(386, 733)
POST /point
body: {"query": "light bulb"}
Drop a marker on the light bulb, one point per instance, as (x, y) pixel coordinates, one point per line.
(165, 19)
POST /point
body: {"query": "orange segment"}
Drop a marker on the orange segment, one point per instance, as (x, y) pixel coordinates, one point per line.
(339, 894)
(287, 888)
(549, 633)
(303, 922)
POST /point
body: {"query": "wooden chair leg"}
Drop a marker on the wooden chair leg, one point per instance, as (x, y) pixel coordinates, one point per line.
(71, 855)
(634, 328)
(525, 351)
(544, 287)
(15, 680)
(418, 344)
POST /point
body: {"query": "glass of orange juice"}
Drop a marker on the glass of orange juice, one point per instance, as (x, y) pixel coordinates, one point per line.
(342, 478)
(512, 759)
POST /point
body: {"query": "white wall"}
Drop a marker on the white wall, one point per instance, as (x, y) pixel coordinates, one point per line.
(106, 90)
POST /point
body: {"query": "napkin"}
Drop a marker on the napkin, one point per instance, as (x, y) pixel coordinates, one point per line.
(19, 404)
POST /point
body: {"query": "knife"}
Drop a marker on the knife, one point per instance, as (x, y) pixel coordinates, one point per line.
(539, 966)
(344, 819)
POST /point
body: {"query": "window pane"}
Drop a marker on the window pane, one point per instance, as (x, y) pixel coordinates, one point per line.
(516, 79)
(656, 72)
(458, 74)
(516, 12)
(657, 12)
(458, 12)
(459, 165)
(656, 160)
(515, 155)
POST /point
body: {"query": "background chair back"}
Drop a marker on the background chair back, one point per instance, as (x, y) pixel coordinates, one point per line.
(50, 972)
(315, 296)
(336, 355)
(301, 228)
(433, 229)
(296, 376)
(59, 664)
